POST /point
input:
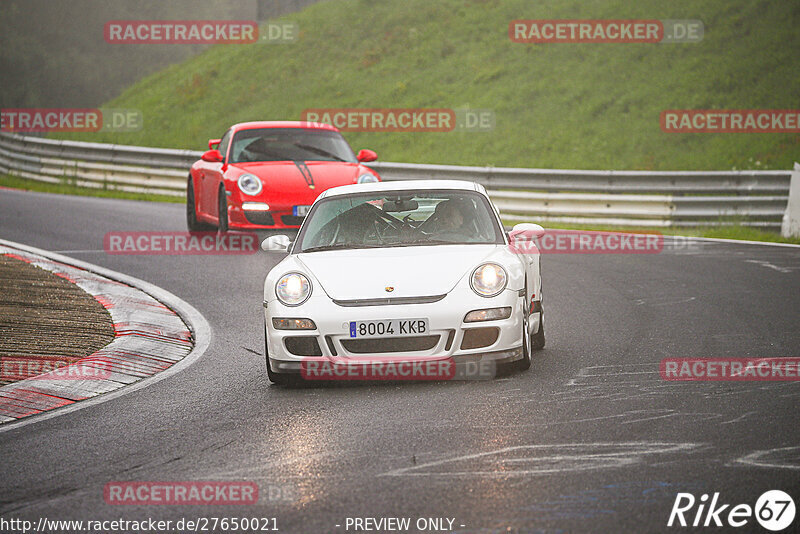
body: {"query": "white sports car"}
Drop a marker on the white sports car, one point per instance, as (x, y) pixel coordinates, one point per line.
(404, 270)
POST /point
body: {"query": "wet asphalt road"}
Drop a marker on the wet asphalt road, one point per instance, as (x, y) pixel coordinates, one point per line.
(590, 439)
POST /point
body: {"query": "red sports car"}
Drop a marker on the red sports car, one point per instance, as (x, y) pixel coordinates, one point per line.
(267, 174)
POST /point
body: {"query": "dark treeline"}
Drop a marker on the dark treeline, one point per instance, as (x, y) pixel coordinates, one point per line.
(53, 54)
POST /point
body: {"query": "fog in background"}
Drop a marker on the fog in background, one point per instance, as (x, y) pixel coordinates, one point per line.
(53, 54)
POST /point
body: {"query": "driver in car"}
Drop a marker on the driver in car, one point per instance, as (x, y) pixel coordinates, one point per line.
(452, 218)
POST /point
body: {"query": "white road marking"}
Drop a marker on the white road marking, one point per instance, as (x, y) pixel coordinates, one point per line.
(782, 458)
(665, 302)
(628, 382)
(547, 459)
(771, 266)
(741, 417)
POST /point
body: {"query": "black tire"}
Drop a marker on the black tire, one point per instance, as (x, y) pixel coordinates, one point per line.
(222, 226)
(280, 379)
(525, 363)
(537, 340)
(191, 210)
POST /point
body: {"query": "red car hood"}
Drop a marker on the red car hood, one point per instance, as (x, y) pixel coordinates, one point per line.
(285, 178)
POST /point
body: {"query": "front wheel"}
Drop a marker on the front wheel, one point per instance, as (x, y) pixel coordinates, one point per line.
(280, 379)
(222, 226)
(191, 210)
(525, 362)
(537, 340)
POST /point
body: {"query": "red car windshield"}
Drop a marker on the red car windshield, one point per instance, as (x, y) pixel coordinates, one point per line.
(289, 144)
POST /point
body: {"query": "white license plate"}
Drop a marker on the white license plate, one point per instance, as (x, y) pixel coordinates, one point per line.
(301, 211)
(388, 328)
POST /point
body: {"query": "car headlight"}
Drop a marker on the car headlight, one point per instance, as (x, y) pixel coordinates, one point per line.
(489, 280)
(367, 178)
(293, 289)
(280, 323)
(489, 314)
(249, 184)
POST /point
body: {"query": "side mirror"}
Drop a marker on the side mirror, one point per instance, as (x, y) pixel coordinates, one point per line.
(526, 232)
(212, 143)
(365, 155)
(278, 243)
(212, 156)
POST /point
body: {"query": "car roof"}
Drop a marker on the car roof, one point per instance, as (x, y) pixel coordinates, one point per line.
(403, 185)
(284, 124)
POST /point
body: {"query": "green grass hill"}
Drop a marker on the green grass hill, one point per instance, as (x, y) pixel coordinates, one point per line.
(586, 106)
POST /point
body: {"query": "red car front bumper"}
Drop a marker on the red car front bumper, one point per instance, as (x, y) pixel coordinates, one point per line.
(254, 220)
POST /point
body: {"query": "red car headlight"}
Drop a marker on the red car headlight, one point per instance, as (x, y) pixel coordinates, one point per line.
(367, 178)
(249, 184)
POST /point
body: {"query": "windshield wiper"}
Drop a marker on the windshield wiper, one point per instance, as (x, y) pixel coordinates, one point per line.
(319, 151)
(415, 242)
(338, 246)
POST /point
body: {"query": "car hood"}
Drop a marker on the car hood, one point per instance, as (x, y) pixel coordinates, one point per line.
(286, 177)
(411, 271)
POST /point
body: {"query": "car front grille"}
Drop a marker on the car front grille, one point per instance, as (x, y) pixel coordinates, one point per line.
(302, 345)
(476, 338)
(388, 301)
(259, 217)
(380, 345)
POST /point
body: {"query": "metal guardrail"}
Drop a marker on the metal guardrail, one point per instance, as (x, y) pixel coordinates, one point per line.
(121, 167)
(671, 182)
(645, 198)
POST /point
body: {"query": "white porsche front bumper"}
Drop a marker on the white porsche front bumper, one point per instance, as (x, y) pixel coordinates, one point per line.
(448, 336)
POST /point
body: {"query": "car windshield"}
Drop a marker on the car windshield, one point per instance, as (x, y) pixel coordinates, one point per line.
(289, 144)
(399, 219)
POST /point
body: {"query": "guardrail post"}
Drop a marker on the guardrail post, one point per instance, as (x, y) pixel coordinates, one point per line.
(791, 219)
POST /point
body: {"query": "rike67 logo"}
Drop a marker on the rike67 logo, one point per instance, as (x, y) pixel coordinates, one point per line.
(774, 510)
